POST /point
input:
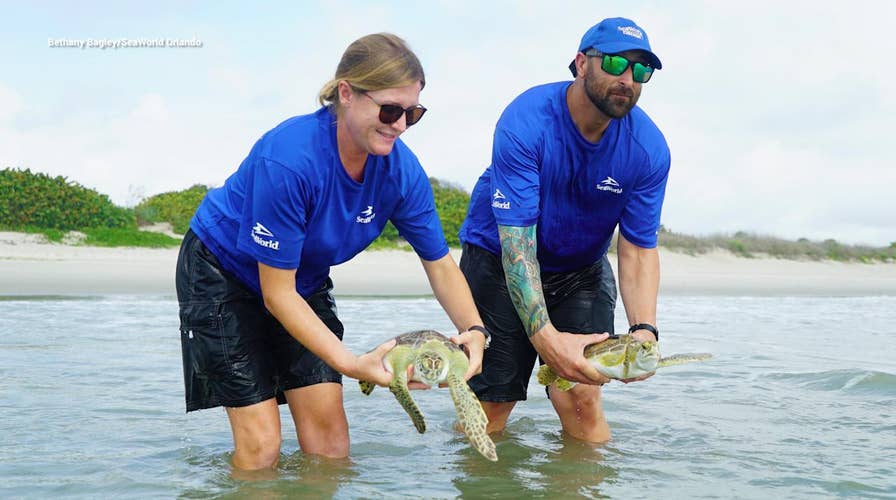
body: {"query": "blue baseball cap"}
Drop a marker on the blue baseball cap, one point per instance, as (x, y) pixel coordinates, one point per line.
(615, 35)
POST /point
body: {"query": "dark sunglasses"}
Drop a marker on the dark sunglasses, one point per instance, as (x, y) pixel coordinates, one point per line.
(390, 113)
(616, 65)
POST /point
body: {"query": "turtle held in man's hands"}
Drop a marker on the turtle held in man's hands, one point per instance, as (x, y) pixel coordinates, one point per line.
(436, 359)
(621, 357)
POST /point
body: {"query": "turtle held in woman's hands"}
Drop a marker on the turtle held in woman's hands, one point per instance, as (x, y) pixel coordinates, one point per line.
(435, 360)
(621, 357)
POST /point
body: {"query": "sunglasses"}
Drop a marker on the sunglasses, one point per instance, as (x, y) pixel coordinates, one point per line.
(390, 113)
(616, 65)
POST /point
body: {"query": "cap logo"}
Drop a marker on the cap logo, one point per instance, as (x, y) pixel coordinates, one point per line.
(631, 31)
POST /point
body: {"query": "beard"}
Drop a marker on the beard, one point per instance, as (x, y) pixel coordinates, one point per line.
(609, 102)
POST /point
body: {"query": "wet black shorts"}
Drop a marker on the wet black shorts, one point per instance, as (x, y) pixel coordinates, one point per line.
(581, 301)
(235, 353)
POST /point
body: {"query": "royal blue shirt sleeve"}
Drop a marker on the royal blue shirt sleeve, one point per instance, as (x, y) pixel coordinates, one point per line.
(640, 220)
(416, 218)
(515, 179)
(273, 224)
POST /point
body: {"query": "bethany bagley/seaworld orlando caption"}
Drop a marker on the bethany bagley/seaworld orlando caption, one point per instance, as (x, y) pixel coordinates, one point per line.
(124, 43)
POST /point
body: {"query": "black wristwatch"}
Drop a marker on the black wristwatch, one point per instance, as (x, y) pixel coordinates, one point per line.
(480, 328)
(645, 326)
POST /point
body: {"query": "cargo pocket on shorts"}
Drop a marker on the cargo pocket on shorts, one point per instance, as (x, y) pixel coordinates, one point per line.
(204, 357)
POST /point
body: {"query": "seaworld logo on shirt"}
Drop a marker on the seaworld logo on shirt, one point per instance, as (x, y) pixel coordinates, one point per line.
(366, 215)
(500, 204)
(259, 233)
(610, 184)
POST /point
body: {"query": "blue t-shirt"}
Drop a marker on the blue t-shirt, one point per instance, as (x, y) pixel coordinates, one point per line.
(291, 205)
(545, 172)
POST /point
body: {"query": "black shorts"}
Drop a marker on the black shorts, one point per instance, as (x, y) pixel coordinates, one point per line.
(235, 353)
(581, 301)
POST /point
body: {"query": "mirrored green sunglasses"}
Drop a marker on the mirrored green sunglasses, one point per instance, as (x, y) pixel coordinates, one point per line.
(616, 65)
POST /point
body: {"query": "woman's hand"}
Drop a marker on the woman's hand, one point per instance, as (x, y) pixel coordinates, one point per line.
(371, 367)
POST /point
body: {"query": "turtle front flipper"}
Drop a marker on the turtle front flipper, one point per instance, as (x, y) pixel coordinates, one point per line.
(399, 388)
(471, 416)
(366, 387)
(680, 359)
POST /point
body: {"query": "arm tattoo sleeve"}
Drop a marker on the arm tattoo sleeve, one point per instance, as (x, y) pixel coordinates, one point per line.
(523, 275)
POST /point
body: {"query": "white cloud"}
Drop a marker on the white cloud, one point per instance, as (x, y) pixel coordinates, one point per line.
(11, 104)
(152, 108)
(777, 123)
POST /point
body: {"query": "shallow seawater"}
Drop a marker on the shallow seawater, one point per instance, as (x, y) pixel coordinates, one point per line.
(797, 403)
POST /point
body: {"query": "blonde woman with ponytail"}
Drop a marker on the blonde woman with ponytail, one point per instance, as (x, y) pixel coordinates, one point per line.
(258, 318)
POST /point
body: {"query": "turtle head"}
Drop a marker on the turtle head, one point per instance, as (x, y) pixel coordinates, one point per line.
(647, 355)
(430, 367)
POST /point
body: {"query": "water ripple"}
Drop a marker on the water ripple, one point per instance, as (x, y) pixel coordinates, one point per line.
(862, 382)
(91, 405)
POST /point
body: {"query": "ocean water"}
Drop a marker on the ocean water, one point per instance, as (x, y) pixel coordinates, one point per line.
(799, 402)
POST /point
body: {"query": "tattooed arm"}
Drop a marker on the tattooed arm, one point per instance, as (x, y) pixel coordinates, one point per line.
(561, 351)
(523, 275)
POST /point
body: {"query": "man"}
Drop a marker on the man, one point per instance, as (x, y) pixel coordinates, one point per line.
(571, 161)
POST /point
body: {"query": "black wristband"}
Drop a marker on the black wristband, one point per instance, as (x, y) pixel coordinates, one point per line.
(481, 329)
(645, 326)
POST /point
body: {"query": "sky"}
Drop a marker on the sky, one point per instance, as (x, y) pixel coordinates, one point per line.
(779, 114)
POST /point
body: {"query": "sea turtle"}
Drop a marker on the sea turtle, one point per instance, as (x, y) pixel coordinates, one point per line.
(436, 359)
(621, 357)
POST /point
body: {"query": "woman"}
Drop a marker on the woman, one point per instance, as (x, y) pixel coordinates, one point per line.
(258, 319)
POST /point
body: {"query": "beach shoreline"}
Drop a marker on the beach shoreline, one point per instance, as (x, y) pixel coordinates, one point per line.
(30, 266)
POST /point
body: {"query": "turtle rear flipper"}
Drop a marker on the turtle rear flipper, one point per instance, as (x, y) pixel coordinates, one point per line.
(399, 388)
(547, 376)
(680, 359)
(564, 385)
(471, 416)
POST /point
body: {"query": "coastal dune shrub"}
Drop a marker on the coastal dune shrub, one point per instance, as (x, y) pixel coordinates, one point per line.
(746, 244)
(53, 206)
(174, 207)
(451, 203)
(178, 207)
(31, 199)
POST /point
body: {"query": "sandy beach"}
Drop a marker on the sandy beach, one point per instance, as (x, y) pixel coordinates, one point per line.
(30, 266)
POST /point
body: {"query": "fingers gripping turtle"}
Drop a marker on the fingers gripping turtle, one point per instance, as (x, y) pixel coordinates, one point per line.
(435, 360)
(621, 358)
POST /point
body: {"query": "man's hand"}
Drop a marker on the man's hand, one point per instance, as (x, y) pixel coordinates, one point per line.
(641, 336)
(473, 344)
(565, 354)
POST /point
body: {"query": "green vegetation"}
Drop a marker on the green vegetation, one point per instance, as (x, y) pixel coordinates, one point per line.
(40, 201)
(751, 245)
(175, 207)
(111, 237)
(54, 206)
(451, 203)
